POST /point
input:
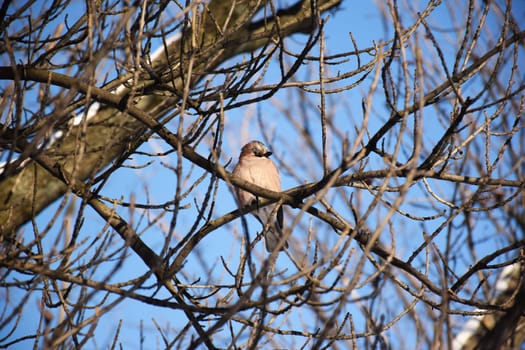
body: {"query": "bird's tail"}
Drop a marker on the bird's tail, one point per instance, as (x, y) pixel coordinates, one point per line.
(273, 237)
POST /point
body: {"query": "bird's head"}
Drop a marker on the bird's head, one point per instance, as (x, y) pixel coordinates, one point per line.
(255, 148)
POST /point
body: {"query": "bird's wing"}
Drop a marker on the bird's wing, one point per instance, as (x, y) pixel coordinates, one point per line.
(280, 218)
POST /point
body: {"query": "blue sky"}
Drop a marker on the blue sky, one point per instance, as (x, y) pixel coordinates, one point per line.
(157, 184)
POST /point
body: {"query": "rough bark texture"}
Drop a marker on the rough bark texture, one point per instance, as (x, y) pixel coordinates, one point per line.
(111, 132)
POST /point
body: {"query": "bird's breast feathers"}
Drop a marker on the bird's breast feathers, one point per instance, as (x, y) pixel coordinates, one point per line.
(260, 171)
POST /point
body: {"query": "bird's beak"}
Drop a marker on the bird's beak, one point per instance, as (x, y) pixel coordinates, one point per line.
(269, 153)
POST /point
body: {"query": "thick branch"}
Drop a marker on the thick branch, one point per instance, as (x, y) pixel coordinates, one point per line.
(110, 133)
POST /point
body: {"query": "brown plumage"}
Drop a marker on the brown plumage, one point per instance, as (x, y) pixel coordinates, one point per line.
(255, 166)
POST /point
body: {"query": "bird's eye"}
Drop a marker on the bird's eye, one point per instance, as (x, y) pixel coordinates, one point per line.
(259, 150)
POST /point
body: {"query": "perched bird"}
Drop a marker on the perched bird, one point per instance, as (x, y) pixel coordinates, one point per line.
(255, 166)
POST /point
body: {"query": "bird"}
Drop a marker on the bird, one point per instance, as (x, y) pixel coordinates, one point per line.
(255, 166)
